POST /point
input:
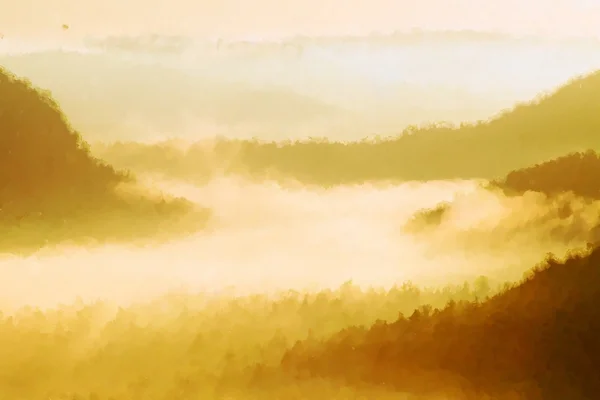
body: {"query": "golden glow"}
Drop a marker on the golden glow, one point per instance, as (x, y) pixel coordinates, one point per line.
(249, 269)
(272, 19)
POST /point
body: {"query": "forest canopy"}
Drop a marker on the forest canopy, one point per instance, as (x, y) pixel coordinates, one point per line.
(51, 187)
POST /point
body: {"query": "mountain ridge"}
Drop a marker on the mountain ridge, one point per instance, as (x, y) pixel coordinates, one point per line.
(53, 189)
(549, 126)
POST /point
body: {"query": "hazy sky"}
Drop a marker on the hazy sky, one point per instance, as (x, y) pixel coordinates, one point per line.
(275, 18)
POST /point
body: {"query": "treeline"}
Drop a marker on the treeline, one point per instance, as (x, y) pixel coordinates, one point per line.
(576, 172)
(547, 127)
(535, 340)
(185, 346)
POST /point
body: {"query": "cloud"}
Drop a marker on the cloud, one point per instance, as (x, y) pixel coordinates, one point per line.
(266, 237)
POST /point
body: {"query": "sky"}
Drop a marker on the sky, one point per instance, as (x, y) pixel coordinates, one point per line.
(376, 88)
(272, 19)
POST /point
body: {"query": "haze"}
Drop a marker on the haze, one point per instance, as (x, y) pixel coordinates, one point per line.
(117, 82)
(156, 156)
(266, 18)
(293, 237)
(114, 88)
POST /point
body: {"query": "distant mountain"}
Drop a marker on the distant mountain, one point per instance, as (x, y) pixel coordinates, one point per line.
(108, 95)
(343, 90)
(565, 121)
(154, 42)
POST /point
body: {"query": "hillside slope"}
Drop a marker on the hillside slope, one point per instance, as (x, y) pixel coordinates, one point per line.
(51, 187)
(536, 340)
(568, 120)
(576, 172)
(40, 154)
(124, 93)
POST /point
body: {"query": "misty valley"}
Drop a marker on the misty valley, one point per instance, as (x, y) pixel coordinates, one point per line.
(446, 261)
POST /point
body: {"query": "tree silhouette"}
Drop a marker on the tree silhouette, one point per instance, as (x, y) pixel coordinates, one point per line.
(537, 339)
(549, 126)
(52, 188)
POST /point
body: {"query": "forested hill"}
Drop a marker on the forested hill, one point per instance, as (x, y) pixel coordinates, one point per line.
(565, 121)
(53, 190)
(535, 340)
(41, 155)
(576, 172)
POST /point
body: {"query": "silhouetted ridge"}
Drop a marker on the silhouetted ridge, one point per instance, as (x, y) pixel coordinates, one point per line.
(576, 172)
(40, 153)
(538, 339)
(52, 189)
(550, 126)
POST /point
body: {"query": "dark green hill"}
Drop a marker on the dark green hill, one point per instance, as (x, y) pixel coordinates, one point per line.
(51, 187)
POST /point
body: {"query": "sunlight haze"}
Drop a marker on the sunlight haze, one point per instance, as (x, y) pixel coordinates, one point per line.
(260, 19)
(299, 199)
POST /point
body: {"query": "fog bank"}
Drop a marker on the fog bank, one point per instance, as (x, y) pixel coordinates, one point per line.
(266, 237)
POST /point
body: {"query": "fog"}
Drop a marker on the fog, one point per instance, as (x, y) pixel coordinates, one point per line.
(268, 237)
(126, 315)
(344, 89)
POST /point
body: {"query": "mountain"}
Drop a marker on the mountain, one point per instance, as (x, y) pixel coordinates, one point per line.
(41, 154)
(535, 340)
(577, 172)
(565, 121)
(52, 189)
(112, 96)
